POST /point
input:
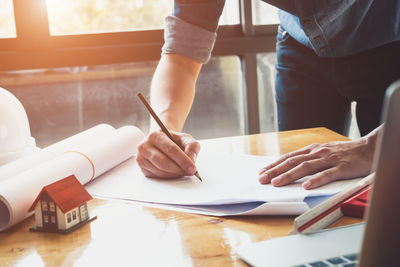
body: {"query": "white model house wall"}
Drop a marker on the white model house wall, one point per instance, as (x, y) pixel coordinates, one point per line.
(38, 215)
(62, 218)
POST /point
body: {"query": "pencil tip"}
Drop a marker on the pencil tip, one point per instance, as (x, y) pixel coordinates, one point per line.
(198, 176)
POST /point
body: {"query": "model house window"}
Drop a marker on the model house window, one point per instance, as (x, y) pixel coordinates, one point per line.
(44, 205)
(83, 210)
(53, 219)
(68, 217)
(52, 206)
(46, 219)
(74, 215)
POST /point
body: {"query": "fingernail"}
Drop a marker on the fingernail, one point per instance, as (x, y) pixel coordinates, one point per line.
(263, 179)
(307, 184)
(276, 181)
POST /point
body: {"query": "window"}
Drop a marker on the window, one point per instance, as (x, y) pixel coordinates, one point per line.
(230, 14)
(7, 24)
(100, 16)
(84, 213)
(44, 205)
(266, 85)
(74, 215)
(97, 16)
(52, 206)
(264, 13)
(220, 86)
(106, 36)
(46, 219)
(53, 219)
(68, 217)
(84, 97)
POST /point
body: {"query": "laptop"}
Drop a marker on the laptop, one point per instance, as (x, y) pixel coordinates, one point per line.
(373, 243)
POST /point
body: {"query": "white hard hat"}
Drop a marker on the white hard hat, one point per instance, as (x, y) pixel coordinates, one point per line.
(15, 135)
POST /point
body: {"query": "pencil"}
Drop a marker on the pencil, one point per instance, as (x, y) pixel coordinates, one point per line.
(162, 126)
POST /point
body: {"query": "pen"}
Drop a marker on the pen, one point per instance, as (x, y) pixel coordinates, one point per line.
(162, 126)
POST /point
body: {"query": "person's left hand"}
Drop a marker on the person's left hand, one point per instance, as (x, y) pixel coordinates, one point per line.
(329, 162)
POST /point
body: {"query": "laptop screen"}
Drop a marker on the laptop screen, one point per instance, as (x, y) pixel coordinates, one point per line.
(381, 244)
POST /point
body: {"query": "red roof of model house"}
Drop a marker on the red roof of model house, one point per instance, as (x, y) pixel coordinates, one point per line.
(67, 193)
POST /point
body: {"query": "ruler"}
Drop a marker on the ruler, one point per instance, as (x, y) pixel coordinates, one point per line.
(328, 211)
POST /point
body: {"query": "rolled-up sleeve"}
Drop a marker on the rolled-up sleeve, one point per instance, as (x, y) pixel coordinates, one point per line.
(191, 30)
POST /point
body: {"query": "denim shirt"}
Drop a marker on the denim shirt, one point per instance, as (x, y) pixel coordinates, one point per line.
(332, 28)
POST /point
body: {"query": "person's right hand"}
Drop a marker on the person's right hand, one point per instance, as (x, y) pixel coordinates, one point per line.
(160, 157)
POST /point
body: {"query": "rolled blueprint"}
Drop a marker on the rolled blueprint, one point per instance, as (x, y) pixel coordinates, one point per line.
(85, 161)
(41, 155)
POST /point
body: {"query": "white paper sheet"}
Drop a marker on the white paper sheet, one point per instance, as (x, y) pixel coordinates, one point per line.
(230, 187)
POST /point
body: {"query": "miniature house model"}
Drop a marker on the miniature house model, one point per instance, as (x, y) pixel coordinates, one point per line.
(61, 206)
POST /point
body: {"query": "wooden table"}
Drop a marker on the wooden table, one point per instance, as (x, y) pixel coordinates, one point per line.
(127, 234)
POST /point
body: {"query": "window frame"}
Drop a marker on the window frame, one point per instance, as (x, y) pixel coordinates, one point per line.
(35, 48)
(44, 204)
(52, 206)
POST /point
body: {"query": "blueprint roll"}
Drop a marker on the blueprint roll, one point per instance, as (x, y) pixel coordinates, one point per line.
(42, 155)
(97, 132)
(87, 162)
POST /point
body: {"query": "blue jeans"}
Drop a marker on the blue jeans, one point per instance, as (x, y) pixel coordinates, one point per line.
(313, 91)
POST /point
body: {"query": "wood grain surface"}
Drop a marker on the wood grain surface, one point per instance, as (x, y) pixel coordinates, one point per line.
(128, 234)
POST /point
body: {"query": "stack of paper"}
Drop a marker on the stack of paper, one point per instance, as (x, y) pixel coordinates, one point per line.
(230, 187)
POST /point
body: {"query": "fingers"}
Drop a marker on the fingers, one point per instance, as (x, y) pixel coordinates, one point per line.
(329, 162)
(322, 178)
(151, 171)
(304, 169)
(285, 157)
(298, 167)
(160, 162)
(298, 164)
(292, 168)
(190, 146)
(172, 153)
(160, 157)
